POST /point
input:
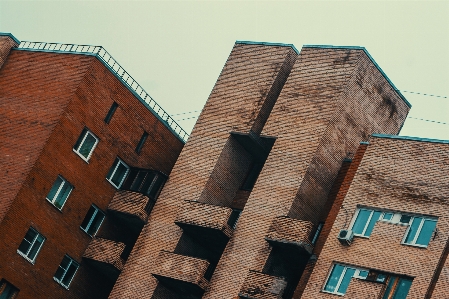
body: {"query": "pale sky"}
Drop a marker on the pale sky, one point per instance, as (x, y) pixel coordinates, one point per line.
(176, 49)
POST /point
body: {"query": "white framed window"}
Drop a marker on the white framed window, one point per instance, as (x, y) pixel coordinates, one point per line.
(92, 221)
(59, 192)
(117, 173)
(31, 245)
(364, 220)
(340, 277)
(7, 290)
(85, 144)
(420, 231)
(66, 271)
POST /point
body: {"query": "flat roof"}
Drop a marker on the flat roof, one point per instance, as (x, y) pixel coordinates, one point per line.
(372, 60)
(268, 44)
(410, 138)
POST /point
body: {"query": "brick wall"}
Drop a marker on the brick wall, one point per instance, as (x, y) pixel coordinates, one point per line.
(52, 98)
(399, 175)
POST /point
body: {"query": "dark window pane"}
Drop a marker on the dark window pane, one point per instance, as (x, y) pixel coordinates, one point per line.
(89, 216)
(111, 112)
(157, 186)
(55, 188)
(87, 145)
(138, 181)
(80, 139)
(372, 222)
(24, 246)
(111, 171)
(141, 142)
(405, 219)
(360, 222)
(334, 277)
(148, 182)
(30, 235)
(346, 280)
(413, 229)
(62, 195)
(426, 232)
(402, 288)
(35, 248)
(389, 288)
(95, 223)
(69, 274)
(119, 174)
(59, 273)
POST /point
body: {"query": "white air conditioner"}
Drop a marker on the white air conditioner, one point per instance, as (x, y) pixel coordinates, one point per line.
(345, 236)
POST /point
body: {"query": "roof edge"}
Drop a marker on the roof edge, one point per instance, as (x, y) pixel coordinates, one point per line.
(267, 44)
(410, 138)
(11, 36)
(372, 60)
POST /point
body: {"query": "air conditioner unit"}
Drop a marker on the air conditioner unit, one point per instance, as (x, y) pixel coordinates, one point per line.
(345, 236)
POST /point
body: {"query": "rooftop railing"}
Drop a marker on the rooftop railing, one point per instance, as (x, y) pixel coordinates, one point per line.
(125, 77)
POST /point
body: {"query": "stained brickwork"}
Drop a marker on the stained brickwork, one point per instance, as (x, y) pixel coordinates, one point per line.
(262, 286)
(105, 251)
(399, 175)
(47, 99)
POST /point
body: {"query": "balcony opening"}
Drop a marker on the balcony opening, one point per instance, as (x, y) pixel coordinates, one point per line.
(288, 264)
(145, 181)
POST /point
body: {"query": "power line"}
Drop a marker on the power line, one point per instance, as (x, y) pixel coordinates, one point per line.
(429, 120)
(186, 112)
(187, 118)
(425, 94)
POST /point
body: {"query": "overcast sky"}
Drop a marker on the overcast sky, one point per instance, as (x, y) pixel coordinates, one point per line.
(176, 49)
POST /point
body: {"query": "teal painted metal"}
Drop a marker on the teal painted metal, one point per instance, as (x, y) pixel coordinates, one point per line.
(410, 138)
(268, 44)
(11, 36)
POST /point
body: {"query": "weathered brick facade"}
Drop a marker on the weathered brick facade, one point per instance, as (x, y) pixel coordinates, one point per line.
(46, 100)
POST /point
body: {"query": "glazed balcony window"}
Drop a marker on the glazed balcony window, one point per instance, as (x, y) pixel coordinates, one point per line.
(92, 221)
(147, 182)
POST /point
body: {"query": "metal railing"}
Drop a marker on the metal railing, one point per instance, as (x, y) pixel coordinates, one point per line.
(125, 77)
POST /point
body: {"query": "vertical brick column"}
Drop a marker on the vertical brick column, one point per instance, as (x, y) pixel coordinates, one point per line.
(7, 41)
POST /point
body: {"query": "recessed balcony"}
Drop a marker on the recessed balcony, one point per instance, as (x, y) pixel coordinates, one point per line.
(258, 285)
(291, 233)
(105, 255)
(131, 207)
(183, 274)
(207, 222)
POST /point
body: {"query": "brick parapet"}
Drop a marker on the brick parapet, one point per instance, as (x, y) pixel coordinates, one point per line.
(129, 202)
(7, 42)
(105, 251)
(262, 286)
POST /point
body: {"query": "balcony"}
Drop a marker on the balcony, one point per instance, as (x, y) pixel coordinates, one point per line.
(105, 256)
(181, 273)
(262, 286)
(291, 233)
(206, 222)
(130, 207)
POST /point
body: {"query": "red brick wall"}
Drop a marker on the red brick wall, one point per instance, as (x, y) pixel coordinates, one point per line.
(41, 89)
(399, 175)
(6, 43)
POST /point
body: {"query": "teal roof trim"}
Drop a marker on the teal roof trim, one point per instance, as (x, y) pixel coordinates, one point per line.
(268, 44)
(11, 36)
(410, 138)
(372, 60)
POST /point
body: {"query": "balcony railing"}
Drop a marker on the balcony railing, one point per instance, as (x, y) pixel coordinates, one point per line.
(285, 231)
(182, 273)
(262, 286)
(105, 255)
(123, 75)
(203, 217)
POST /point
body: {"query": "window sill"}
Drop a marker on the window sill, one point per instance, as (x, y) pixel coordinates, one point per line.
(58, 282)
(415, 245)
(327, 292)
(26, 258)
(58, 209)
(86, 232)
(82, 157)
(116, 187)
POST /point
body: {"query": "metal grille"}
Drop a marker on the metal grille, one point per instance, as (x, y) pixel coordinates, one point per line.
(124, 76)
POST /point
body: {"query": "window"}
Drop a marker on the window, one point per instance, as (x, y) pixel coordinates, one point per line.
(340, 277)
(420, 231)
(31, 244)
(117, 173)
(111, 112)
(85, 144)
(317, 232)
(66, 271)
(364, 222)
(397, 288)
(141, 142)
(148, 182)
(7, 290)
(92, 221)
(59, 192)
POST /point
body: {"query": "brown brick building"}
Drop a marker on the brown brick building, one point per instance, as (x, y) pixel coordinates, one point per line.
(73, 135)
(291, 151)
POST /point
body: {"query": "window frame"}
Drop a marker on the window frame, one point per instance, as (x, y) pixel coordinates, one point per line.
(97, 211)
(55, 196)
(342, 275)
(84, 133)
(109, 179)
(356, 214)
(25, 255)
(413, 243)
(72, 261)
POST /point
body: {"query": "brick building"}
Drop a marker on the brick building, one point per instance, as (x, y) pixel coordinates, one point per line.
(74, 134)
(292, 150)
